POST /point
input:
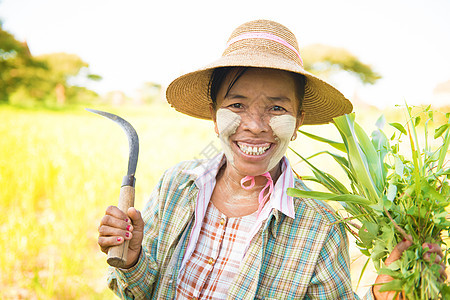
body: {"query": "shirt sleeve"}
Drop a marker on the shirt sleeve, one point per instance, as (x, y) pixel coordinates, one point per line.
(137, 282)
(331, 278)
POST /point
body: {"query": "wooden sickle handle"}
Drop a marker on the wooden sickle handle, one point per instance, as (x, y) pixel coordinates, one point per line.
(117, 255)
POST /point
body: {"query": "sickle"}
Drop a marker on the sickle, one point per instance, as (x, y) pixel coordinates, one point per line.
(117, 255)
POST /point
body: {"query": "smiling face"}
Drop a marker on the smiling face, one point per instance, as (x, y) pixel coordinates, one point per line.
(256, 119)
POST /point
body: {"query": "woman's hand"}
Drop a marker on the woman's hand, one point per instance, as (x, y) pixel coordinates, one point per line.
(435, 249)
(395, 255)
(116, 227)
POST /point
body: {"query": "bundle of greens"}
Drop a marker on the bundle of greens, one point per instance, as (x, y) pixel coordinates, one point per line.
(391, 197)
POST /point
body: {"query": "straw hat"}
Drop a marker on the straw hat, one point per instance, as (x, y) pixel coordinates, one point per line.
(264, 44)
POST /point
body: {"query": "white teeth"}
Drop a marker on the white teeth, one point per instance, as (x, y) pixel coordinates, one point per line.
(253, 150)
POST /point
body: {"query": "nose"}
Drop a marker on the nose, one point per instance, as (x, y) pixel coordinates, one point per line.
(255, 121)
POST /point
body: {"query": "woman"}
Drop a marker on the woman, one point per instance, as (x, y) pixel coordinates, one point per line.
(225, 228)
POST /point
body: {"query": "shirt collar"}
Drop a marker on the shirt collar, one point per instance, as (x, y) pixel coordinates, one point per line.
(207, 171)
(279, 199)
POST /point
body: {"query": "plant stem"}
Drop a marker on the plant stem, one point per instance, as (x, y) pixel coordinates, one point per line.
(402, 232)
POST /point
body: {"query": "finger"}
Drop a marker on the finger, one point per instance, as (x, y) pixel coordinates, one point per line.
(112, 221)
(107, 242)
(443, 273)
(433, 248)
(437, 259)
(107, 231)
(115, 212)
(136, 218)
(398, 251)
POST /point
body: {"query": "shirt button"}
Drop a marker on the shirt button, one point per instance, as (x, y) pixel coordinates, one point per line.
(211, 261)
(222, 221)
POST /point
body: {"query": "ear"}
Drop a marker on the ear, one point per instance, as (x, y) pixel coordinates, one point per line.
(300, 120)
(298, 124)
(214, 118)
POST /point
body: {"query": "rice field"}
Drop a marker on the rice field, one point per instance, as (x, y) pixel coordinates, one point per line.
(58, 173)
(59, 170)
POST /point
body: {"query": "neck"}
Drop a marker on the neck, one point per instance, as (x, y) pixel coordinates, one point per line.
(229, 175)
(233, 200)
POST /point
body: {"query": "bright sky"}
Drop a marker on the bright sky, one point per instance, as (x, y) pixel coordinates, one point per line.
(131, 42)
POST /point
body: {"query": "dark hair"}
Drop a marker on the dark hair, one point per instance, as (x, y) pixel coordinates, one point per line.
(219, 75)
(217, 78)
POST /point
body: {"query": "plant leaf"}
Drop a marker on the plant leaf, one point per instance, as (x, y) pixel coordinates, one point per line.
(328, 196)
(440, 131)
(431, 192)
(387, 271)
(340, 159)
(399, 127)
(372, 228)
(373, 159)
(337, 145)
(357, 159)
(362, 271)
(394, 285)
(380, 122)
(444, 148)
(323, 178)
(399, 166)
(391, 192)
(417, 121)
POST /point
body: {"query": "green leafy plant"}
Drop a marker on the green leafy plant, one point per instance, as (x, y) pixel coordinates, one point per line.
(391, 197)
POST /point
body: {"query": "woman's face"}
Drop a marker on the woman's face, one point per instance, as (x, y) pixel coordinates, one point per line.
(256, 119)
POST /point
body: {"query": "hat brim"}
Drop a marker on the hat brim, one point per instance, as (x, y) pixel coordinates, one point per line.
(322, 102)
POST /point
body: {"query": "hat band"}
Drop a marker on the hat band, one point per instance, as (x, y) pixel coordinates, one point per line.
(267, 36)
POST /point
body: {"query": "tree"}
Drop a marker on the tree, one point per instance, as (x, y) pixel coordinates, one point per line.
(15, 59)
(43, 78)
(324, 60)
(62, 68)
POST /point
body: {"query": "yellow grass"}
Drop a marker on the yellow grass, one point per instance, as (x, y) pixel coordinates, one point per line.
(58, 173)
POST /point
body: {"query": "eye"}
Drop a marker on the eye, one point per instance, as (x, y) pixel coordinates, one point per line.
(278, 108)
(236, 105)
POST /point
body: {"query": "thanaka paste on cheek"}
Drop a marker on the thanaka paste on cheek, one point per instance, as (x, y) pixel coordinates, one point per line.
(283, 128)
(227, 124)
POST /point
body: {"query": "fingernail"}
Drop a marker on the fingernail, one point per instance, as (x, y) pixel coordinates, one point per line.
(404, 240)
(126, 220)
(119, 239)
(127, 234)
(128, 227)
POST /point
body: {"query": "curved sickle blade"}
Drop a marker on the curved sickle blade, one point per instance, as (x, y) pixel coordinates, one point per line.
(133, 139)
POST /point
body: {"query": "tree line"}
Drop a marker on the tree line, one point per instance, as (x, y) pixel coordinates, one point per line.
(44, 78)
(51, 78)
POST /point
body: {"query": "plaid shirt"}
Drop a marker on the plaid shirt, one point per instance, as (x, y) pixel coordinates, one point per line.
(205, 175)
(218, 253)
(305, 257)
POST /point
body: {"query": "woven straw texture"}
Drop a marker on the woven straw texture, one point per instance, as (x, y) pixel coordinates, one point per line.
(189, 93)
